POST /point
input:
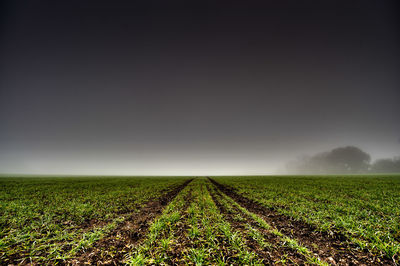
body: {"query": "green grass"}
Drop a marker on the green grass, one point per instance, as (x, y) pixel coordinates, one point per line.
(285, 241)
(364, 208)
(206, 237)
(161, 234)
(50, 219)
(43, 219)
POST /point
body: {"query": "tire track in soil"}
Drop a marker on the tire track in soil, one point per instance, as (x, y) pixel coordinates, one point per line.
(176, 254)
(333, 249)
(111, 249)
(271, 255)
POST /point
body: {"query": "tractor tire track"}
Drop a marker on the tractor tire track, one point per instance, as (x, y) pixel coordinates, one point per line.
(270, 256)
(334, 249)
(176, 254)
(111, 249)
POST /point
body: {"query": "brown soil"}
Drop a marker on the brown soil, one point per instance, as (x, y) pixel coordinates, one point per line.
(271, 255)
(332, 248)
(112, 249)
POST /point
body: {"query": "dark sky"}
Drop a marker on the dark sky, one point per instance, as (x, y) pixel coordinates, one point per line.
(194, 87)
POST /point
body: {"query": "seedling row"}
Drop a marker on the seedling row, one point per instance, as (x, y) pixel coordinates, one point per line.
(199, 221)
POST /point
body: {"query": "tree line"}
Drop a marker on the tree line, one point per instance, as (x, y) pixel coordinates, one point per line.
(343, 160)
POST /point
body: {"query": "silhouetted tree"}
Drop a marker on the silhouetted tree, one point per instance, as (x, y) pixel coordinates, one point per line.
(386, 165)
(348, 159)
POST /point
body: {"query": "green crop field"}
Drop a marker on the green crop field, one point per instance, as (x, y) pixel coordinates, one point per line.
(50, 219)
(200, 221)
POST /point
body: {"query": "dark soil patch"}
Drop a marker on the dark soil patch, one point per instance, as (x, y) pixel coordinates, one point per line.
(271, 255)
(332, 248)
(112, 249)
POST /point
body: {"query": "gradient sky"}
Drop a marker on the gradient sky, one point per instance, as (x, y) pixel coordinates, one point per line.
(194, 87)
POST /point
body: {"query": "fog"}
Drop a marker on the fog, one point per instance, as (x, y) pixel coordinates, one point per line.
(169, 88)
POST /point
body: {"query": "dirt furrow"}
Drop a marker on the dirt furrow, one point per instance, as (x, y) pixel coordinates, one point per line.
(111, 249)
(333, 248)
(270, 255)
(176, 254)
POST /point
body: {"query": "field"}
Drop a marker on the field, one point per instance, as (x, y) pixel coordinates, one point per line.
(200, 220)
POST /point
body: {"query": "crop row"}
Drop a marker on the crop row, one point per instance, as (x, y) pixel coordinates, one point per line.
(194, 233)
(204, 226)
(366, 210)
(224, 221)
(49, 219)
